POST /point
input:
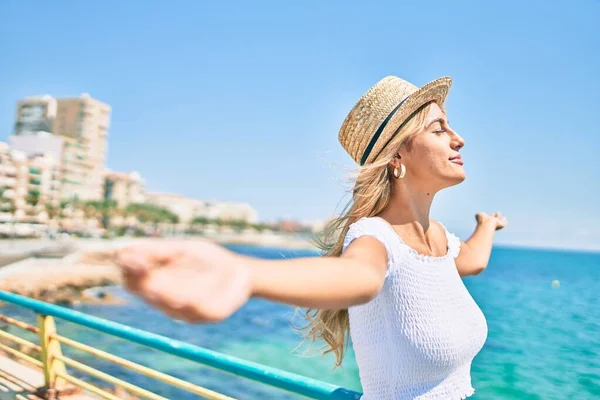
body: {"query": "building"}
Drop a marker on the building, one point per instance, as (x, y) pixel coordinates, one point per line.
(83, 124)
(315, 226)
(35, 114)
(30, 185)
(38, 144)
(189, 208)
(124, 188)
(186, 208)
(43, 186)
(8, 183)
(289, 226)
(228, 211)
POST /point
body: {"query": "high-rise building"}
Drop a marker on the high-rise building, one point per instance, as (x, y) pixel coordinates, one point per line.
(82, 123)
(35, 114)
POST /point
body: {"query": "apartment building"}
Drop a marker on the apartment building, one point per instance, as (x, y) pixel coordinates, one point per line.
(29, 185)
(82, 123)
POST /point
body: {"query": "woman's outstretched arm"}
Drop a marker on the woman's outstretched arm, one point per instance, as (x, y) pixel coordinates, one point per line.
(475, 252)
(199, 281)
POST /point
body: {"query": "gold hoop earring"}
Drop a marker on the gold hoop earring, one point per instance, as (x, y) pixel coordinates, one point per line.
(399, 172)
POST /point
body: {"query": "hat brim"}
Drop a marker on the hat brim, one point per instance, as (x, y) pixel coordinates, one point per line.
(435, 91)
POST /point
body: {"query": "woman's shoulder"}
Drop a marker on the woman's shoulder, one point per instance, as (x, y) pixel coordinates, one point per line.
(368, 226)
(453, 242)
(440, 229)
(374, 226)
(374, 223)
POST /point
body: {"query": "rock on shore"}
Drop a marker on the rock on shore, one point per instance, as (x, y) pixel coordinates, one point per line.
(60, 281)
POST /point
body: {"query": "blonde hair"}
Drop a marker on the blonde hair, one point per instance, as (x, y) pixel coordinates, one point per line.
(370, 195)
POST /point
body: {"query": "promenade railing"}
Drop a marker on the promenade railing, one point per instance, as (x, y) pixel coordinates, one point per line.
(54, 363)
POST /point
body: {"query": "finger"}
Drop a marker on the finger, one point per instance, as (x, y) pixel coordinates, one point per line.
(147, 255)
(133, 281)
(132, 260)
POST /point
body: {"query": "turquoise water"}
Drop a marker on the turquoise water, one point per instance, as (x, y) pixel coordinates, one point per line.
(543, 342)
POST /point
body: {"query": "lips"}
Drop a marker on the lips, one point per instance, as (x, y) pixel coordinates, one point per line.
(457, 159)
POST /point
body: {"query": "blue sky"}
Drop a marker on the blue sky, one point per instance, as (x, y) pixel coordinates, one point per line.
(242, 101)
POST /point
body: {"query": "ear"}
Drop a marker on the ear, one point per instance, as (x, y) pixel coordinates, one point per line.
(396, 161)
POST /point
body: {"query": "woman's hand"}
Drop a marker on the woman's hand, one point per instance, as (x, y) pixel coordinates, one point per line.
(194, 281)
(497, 219)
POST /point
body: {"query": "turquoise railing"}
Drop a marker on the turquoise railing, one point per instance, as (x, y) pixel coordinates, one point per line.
(53, 361)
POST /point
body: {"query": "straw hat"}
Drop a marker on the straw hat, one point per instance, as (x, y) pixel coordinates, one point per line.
(374, 120)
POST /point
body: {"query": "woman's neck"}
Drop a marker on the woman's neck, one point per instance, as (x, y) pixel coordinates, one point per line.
(409, 207)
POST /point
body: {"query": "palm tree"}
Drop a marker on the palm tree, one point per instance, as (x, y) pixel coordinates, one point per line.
(101, 209)
(151, 213)
(71, 204)
(64, 203)
(260, 226)
(52, 210)
(200, 221)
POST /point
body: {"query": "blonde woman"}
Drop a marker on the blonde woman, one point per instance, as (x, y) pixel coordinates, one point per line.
(390, 277)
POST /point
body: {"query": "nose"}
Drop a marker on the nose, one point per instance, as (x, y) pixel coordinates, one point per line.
(457, 141)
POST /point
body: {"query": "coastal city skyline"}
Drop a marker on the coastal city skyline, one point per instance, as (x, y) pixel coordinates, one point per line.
(69, 137)
(201, 112)
(53, 171)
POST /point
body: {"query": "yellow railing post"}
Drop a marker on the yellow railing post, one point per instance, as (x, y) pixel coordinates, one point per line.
(51, 353)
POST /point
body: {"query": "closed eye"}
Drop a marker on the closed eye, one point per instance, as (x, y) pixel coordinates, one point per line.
(443, 124)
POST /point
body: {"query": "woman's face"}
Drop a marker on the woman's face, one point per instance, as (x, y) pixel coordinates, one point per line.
(432, 156)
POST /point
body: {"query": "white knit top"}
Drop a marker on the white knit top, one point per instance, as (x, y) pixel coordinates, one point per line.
(418, 337)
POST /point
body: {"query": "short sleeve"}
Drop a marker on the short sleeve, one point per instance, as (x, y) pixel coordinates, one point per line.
(453, 243)
(368, 227)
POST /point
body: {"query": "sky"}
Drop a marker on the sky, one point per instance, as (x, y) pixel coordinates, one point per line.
(242, 101)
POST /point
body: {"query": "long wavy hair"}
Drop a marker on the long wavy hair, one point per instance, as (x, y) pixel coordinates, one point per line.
(370, 195)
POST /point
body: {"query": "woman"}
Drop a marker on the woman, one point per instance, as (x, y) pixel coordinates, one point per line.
(391, 277)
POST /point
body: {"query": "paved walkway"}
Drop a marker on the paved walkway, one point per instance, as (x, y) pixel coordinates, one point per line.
(19, 381)
(15, 250)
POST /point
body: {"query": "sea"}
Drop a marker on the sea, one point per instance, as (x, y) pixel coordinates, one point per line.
(542, 309)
